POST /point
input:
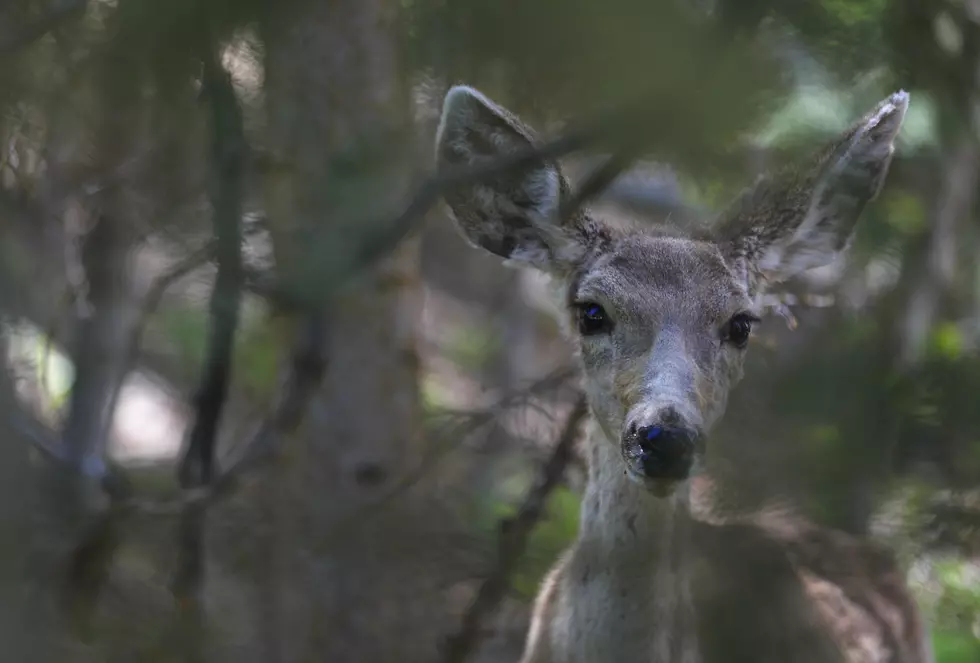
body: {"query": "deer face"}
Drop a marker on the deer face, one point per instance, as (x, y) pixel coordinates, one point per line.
(662, 324)
(662, 319)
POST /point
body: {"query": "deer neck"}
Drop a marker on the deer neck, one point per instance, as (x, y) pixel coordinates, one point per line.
(625, 519)
(643, 542)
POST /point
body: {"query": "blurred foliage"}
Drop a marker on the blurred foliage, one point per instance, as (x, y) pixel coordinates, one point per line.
(732, 86)
(956, 612)
(926, 412)
(955, 646)
(557, 59)
(959, 605)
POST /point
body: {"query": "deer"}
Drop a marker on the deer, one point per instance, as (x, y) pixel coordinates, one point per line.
(661, 318)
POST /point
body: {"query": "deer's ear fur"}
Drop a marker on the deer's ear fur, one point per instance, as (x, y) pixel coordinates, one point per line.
(804, 217)
(515, 215)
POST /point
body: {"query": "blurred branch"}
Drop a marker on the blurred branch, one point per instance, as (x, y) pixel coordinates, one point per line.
(301, 381)
(81, 505)
(514, 534)
(307, 363)
(196, 468)
(17, 38)
(611, 126)
(597, 181)
(151, 301)
(263, 445)
(104, 259)
(466, 424)
(653, 198)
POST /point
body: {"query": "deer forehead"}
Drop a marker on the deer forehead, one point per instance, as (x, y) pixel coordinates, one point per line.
(651, 279)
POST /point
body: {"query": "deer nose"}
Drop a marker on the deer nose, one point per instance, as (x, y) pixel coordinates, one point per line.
(661, 450)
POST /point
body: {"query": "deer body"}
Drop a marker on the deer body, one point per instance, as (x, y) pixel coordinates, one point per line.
(628, 571)
(649, 580)
(662, 321)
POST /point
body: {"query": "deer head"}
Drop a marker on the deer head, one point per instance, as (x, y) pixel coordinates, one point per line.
(662, 317)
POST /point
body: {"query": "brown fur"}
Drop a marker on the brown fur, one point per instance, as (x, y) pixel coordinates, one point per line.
(650, 578)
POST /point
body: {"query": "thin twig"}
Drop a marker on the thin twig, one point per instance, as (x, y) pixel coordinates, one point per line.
(597, 181)
(303, 376)
(150, 303)
(652, 190)
(443, 444)
(514, 534)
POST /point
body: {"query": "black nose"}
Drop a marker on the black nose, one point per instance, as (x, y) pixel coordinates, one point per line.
(665, 452)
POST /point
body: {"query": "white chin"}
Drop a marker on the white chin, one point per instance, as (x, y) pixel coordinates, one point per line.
(659, 487)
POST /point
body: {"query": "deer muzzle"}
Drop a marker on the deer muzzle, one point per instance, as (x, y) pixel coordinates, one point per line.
(660, 450)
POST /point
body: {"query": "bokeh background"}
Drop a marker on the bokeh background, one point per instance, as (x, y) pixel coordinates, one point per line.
(262, 403)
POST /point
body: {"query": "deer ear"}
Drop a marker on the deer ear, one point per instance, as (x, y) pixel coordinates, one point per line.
(514, 215)
(805, 217)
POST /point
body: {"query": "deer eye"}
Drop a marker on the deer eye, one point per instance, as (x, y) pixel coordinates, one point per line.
(592, 319)
(738, 329)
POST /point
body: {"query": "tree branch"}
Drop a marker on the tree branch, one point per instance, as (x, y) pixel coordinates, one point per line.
(228, 154)
(307, 364)
(444, 443)
(651, 196)
(308, 361)
(151, 301)
(104, 250)
(598, 181)
(299, 384)
(196, 468)
(612, 125)
(514, 534)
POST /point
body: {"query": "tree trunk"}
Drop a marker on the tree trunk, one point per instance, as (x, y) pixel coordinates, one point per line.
(75, 534)
(338, 118)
